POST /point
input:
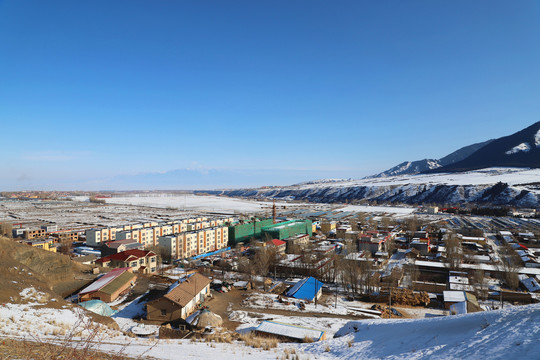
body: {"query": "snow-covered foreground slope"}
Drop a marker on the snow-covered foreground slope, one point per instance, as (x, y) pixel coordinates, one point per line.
(504, 186)
(511, 333)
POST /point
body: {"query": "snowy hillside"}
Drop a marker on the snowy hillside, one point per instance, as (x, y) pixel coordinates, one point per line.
(520, 149)
(503, 186)
(420, 166)
(410, 168)
(511, 333)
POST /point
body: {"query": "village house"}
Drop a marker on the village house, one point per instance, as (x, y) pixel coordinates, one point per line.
(296, 243)
(180, 300)
(142, 261)
(279, 245)
(117, 246)
(109, 286)
(46, 244)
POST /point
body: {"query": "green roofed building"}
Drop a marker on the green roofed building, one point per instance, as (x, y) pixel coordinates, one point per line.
(245, 232)
(288, 229)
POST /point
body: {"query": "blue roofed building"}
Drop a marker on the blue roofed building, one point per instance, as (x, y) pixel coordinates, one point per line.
(306, 289)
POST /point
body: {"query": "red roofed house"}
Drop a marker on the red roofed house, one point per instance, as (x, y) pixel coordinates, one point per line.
(109, 286)
(142, 261)
(280, 245)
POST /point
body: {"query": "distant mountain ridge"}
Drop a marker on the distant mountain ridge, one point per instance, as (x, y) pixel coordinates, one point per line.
(421, 166)
(504, 171)
(521, 149)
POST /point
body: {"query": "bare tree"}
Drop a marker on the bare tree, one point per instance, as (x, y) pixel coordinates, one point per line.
(479, 284)
(6, 229)
(510, 263)
(454, 252)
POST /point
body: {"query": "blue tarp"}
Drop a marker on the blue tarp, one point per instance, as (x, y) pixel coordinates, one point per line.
(305, 289)
(209, 254)
(99, 307)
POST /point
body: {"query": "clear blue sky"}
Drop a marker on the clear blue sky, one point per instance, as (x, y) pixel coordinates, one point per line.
(195, 94)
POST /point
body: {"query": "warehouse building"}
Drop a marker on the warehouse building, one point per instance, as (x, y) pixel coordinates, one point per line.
(288, 229)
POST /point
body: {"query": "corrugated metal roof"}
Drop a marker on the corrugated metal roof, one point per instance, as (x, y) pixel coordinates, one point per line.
(103, 281)
(117, 283)
(305, 289)
(454, 296)
(290, 331)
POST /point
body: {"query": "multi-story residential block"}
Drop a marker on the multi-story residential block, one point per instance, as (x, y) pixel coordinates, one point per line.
(172, 246)
(66, 235)
(149, 233)
(95, 237)
(35, 234)
(50, 228)
(166, 230)
(146, 237)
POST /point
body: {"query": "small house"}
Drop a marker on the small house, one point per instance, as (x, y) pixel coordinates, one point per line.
(181, 299)
(143, 261)
(109, 286)
(279, 245)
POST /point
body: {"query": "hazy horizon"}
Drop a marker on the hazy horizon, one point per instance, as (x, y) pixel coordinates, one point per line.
(203, 95)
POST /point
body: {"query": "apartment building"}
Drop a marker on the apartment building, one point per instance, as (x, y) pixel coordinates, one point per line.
(35, 234)
(149, 233)
(192, 243)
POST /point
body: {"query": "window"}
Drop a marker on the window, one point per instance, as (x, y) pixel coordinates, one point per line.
(141, 261)
(134, 264)
(153, 260)
(153, 269)
(163, 312)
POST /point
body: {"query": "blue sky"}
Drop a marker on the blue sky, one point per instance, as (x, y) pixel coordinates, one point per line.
(206, 94)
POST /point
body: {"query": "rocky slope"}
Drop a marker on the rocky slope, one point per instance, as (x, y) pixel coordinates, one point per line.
(497, 186)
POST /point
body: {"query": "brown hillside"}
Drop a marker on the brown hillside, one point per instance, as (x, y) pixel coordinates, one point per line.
(48, 270)
(54, 275)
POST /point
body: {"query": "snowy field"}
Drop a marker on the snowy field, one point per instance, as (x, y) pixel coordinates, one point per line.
(202, 203)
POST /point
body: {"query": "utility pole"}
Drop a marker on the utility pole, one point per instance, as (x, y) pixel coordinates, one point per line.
(336, 294)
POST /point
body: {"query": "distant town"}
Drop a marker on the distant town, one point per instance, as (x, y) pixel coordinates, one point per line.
(298, 263)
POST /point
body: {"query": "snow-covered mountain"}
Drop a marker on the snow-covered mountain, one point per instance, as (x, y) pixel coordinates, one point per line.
(410, 168)
(504, 171)
(521, 149)
(420, 166)
(500, 186)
